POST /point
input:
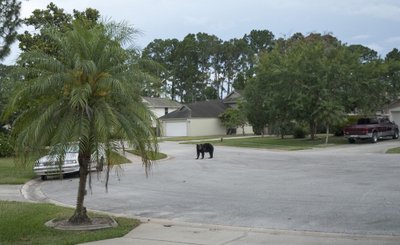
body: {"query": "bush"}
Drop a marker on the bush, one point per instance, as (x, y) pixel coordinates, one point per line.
(337, 129)
(6, 149)
(299, 132)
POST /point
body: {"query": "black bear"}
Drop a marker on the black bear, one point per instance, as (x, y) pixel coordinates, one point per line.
(201, 148)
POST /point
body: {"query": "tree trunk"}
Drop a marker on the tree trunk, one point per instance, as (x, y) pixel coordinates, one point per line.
(312, 130)
(80, 216)
(327, 134)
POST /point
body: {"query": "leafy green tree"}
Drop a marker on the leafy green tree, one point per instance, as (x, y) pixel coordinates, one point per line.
(190, 79)
(329, 113)
(251, 46)
(5, 85)
(259, 41)
(234, 56)
(9, 23)
(391, 75)
(87, 93)
(163, 53)
(303, 74)
(201, 63)
(53, 17)
(233, 118)
(366, 90)
(270, 94)
(209, 49)
(256, 106)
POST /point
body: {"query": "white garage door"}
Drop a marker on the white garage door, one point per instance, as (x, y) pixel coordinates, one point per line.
(396, 117)
(175, 129)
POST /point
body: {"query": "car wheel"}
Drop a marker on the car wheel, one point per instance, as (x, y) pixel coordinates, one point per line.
(374, 137)
(396, 134)
(351, 140)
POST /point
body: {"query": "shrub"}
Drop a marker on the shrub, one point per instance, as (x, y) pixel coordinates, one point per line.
(299, 132)
(337, 129)
(6, 149)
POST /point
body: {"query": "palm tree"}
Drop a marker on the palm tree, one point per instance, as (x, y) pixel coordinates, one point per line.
(88, 93)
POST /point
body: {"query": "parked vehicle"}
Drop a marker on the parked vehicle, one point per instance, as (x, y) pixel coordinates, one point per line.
(371, 128)
(49, 165)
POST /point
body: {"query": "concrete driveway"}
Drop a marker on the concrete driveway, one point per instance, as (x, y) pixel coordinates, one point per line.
(352, 189)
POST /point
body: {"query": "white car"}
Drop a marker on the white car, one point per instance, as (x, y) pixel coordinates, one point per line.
(48, 166)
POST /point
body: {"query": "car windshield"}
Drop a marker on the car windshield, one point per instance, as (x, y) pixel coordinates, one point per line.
(72, 148)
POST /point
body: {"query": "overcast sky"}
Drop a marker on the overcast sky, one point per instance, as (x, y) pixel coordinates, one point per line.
(372, 23)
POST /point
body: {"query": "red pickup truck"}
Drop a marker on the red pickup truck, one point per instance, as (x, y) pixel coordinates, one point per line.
(372, 129)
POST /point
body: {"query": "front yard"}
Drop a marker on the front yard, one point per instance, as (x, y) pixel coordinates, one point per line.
(23, 223)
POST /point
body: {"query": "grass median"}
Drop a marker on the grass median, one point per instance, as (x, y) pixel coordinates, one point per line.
(23, 223)
(272, 142)
(151, 155)
(393, 150)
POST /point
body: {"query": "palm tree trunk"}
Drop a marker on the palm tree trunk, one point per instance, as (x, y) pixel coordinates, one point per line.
(80, 216)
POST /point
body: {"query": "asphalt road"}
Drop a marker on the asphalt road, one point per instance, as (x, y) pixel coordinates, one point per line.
(351, 189)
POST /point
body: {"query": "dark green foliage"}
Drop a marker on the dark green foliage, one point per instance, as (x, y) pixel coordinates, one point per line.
(315, 80)
(203, 67)
(9, 23)
(233, 118)
(88, 92)
(53, 17)
(6, 148)
(299, 132)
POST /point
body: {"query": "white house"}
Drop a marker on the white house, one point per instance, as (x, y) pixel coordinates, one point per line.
(160, 107)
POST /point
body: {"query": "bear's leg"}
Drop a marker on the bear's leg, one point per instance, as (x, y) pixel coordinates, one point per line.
(211, 153)
(202, 155)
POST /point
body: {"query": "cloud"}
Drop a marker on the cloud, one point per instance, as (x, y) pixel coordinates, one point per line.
(361, 37)
(385, 10)
(377, 47)
(393, 40)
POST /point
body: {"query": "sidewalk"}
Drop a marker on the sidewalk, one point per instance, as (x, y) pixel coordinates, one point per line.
(175, 233)
(165, 232)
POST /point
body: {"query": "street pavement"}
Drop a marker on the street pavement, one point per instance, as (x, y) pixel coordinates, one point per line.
(340, 195)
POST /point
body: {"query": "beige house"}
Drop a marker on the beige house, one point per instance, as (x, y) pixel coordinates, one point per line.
(393, 110)
(232, 100)
(200, 118)
(195, 119)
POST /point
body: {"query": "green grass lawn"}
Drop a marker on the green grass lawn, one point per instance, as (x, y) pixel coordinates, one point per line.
(287, 143)
(187, 138)
(153, 156)
(117, 158)
(23, 223)
(394, 150)
(12, 173)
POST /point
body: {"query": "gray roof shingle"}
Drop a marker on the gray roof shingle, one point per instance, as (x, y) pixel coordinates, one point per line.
(160, 102)
(203, 109)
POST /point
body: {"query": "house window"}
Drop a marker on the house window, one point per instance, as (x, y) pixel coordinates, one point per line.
(166, 110)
